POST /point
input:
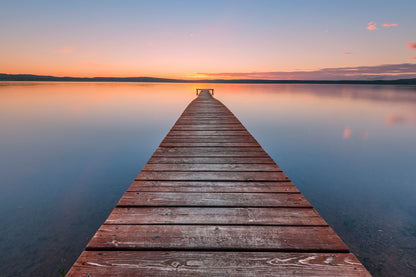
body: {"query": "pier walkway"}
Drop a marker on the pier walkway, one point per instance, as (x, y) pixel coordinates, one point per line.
(211, 202)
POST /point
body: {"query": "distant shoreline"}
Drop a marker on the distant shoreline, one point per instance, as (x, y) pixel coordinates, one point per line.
(44, 78)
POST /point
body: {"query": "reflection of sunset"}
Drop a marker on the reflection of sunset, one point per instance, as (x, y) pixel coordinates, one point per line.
(393, 119)
(347, 133)
(76, 141)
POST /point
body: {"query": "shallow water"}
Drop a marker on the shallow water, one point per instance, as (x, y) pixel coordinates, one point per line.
(68, 151)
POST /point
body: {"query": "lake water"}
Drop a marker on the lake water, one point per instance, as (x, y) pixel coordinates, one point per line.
(68, 151)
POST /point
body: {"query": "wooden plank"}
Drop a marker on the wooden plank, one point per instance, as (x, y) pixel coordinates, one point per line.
(210, 167)
(175, 139)
(207, 133)
(186, 150)
(216, 216)
(207, 126)
(208, 144)
(210, 152)
(203, 119)
(212, 176)
(198, 199)
(208, 122)
(208, 114)
(206, 186)
(216, 237)
(234, 264)
(213, 128)
(246, 138)
(211, 160)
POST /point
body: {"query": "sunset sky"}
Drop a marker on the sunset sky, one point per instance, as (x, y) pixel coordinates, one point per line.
(210, 39)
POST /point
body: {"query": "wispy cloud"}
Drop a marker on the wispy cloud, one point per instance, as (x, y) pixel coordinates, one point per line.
(381, 72)
(63, 50)
(411, 45)
(389, 25)
(372, 26)
(347, 53)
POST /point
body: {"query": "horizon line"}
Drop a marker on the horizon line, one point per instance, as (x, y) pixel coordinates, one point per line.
(35, 77)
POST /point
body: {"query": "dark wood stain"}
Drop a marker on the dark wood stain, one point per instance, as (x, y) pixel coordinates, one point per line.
(211, 202)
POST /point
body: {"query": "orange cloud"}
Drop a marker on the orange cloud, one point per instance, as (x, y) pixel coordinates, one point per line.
(389, 24)
(347, 133)
(372, 26)
(411, 45)
(347, 53)
(63, 50)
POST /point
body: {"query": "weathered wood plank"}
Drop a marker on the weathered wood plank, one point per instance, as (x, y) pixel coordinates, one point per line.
(198, 199)
(246, 138)
(216, 237)
(208, 133)
(211, 160)
(199, 112)
(238, 264)
(209, 139)
(210, 167)
(212, 176)
(214, 128)
(210, 151)
(206, 186)
(216, 216)
(208, 144)
(208, 122)
(207, 126)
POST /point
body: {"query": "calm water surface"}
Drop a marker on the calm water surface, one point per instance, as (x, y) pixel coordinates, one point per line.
(68, 151)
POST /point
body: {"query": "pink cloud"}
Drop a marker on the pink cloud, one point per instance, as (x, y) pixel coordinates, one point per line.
(414, 58)
(389, 24)
(411, 45)
(379, 72)
(372, 26)
(347, 53)
(347, 133)
(393, 119)
(63, 50)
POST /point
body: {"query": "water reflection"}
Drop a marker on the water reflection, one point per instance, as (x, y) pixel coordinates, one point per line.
(349, 156)
(68, 151)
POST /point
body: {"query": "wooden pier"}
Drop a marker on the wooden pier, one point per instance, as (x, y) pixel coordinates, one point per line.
(211, 202)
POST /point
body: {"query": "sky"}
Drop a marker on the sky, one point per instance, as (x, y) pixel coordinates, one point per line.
(296, 39)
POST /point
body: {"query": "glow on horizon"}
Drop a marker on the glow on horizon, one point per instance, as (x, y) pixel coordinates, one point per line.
(201, 39)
